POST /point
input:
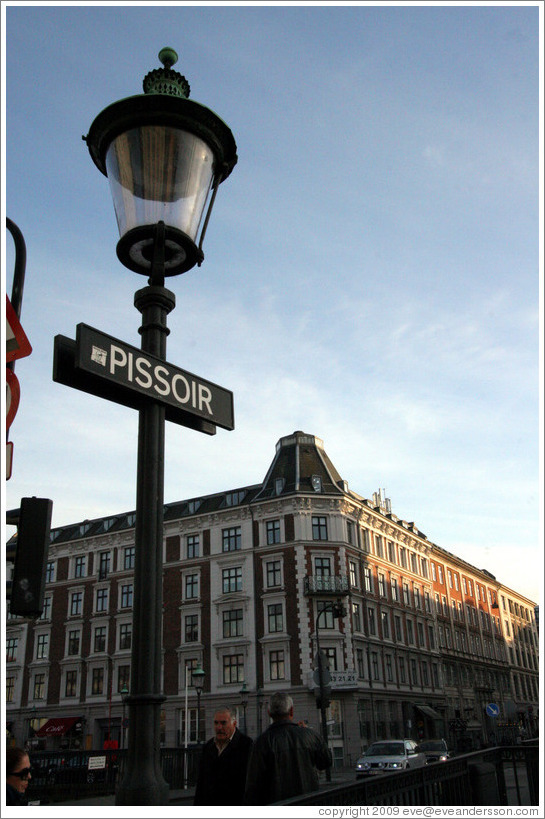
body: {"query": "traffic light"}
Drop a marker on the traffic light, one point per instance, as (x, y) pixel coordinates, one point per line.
(33, 521)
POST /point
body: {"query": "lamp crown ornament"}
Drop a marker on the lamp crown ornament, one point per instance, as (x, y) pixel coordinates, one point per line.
(165, 80)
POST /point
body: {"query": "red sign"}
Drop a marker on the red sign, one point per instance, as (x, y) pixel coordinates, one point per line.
(17, 344)
(13, 394)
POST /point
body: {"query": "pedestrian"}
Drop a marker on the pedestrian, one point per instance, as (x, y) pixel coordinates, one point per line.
(222, 770)
(285, 759)
(17, 775)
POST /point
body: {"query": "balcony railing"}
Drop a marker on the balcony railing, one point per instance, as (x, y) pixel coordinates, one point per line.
(326, 584)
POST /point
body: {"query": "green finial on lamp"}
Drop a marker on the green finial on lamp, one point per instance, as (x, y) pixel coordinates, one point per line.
(165, 80)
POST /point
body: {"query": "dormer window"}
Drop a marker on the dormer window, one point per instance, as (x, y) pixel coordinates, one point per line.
(279, 485)
(316, 483)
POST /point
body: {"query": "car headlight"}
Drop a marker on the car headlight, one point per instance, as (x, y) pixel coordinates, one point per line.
(443, 758)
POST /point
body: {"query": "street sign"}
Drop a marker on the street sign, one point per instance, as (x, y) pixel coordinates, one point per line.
(13, 394)
(492, 709)
(123, 365)
(326, 676)
(17, 344)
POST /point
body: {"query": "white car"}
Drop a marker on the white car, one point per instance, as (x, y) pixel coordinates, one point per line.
(389, 755)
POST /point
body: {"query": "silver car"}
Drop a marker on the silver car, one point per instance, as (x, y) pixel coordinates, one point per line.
(389, 755)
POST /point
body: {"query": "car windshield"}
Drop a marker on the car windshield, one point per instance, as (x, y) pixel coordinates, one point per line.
(433, 745)
(385, 749)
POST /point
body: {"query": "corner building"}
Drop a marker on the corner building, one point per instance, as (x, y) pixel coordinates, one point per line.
(425, 645)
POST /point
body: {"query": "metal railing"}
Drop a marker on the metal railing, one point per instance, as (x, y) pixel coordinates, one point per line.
(508, 776)
(326, 584)
(61, 775)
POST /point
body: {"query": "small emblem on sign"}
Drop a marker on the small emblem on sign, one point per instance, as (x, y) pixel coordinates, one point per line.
(99, 356)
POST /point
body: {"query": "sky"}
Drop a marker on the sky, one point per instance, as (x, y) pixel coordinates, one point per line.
(372, 264)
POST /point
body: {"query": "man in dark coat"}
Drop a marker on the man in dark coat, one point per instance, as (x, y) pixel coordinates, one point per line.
(285, 759)
(222, 770)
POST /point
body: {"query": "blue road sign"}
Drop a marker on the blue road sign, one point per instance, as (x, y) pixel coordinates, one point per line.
(492, 709)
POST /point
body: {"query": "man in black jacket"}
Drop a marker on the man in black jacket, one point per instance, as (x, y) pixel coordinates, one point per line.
(285, 759)
(222, 770)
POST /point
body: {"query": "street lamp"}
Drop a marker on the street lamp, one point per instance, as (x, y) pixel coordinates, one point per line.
(124, 694)
(244, 703)
(337, 609)
(197, 677)
(258, 698)
(165, 157)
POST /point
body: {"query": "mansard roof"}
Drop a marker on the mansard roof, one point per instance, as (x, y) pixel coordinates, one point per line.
(300, 458)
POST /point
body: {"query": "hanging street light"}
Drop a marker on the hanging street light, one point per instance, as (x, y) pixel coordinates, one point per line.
(165, 157)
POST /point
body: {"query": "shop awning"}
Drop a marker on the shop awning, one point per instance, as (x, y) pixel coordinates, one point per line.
(428, 712)
(56, 727)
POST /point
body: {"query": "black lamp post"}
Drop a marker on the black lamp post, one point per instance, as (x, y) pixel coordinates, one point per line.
(197, 678)
(244, 703)
(258, 699)
(165, 157)
(124, 694)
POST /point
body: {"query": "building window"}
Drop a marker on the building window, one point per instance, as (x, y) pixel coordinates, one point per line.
(79, 566)
(191, 586)
(10, 689)
(46, 611)
(353, 574)
(389, 672)
(371, 620)
(378, 546)
(331, 654)
(129, 557)
(50, 572)
(231, 580)
(125, 636)
(381, 585)
(360, 665)
(350, 532)
(103, 565)
(273, 574)
(319, 527)
(231, 539)
(374, 665)
(424, 566)
(420, 629)
(385, 625)
(324, 620)
(397, 626)
(76, 603)
(11, 649)
(425, 678)
(276, 665)
(403, 556)
(123, 677)
(273, 532)
(193, 546)
(232, 623)
(391, 552)
(416, 592)
(368, 576)
(275, 617)
(191, 628)
(402, 674)
(356, 617)
(431, 637)
(100, 639)
(414, 672)
(42, 646)
(440, 575)
(233, 668)
(97, 681)
(39, 687)
(394, 590)
(73, 642)
(406, 594)
(102, 600)
(414, 563)
(322, 566)
(410, 632)
(126, 596)
(70, 686)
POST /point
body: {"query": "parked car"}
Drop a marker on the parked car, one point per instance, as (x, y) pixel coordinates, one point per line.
(436, 750)
(389, 755)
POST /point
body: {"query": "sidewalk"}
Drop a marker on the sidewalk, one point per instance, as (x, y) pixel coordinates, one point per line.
(185, 797)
